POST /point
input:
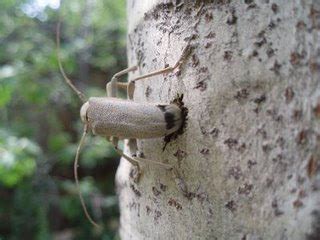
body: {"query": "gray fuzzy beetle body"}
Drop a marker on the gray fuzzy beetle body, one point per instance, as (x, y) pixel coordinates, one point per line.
(127, 119)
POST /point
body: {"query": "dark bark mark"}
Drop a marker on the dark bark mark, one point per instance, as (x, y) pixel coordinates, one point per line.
(148, 209)
(301, 25)
(180, 154)
(235, 172)
(271, 25)
(289, 94)
(232, 18)
(314, 15)
(261, 40)
(242, 148)
(314, 66)
(274, 8)
(251, 163)
(210, 35)
(195, 60)
(242, 94)
(297, 203)
(276, 67)
(269, 182)
(163, 187)
(214, 132)
(135, 190)
(174, 203)
(300, 180)
(270, 52)
(202, 196)
(148, 91)
(205, 151)
(277, 212)
(155, 191)
(297, 115)
(266, 147)
(316, 110)
(227, 56)
(231, 142)
(262, 132)
(260, 99)
(295, 58)
(274, 115)
(201, 85)
(157, 215)
(302, 137)
(208, 17)
(302, 193)
(312, 167)
(231, 205)
(245, 189)
(315, 226)
(208, 45)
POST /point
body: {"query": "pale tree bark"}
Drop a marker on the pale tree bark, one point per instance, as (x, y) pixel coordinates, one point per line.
(250, 152)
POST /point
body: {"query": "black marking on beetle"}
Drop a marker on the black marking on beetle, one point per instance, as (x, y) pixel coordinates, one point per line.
(169, 118)
(162, 107)
(184, 113)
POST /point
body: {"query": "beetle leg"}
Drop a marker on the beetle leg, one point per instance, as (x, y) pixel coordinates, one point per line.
(114, 141)
(183, 57)
(122, 85)
(130, 89)
(181, 184)
(111, 86)
(129, 86)
(136, 160)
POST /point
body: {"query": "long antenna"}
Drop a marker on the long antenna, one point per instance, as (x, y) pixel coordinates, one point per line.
(75, 169)
(80, 94)
(85, 130)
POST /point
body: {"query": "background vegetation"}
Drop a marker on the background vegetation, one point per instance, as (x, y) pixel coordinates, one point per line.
(39, 117)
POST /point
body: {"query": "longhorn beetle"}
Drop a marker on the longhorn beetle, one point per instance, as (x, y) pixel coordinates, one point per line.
(116, 119)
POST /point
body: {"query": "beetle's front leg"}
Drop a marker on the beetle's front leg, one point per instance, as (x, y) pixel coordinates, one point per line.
(113, 85)
(115, 141)
(135, 160)
(135, 163)
(131, 85)
(182, 58)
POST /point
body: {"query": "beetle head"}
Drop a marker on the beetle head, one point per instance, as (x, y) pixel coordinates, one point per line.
(83, 112)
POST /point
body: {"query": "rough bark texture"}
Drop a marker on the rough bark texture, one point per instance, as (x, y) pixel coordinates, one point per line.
(250, 153)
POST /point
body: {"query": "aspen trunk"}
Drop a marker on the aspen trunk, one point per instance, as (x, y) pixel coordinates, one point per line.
(250, 153)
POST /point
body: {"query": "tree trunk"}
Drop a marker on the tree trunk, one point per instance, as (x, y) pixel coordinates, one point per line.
(250, 153)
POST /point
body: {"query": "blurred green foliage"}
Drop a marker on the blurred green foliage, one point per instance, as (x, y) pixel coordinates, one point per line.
(17, 158)
(39, 117)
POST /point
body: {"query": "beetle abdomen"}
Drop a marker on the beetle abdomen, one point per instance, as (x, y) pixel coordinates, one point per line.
(128, 119)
